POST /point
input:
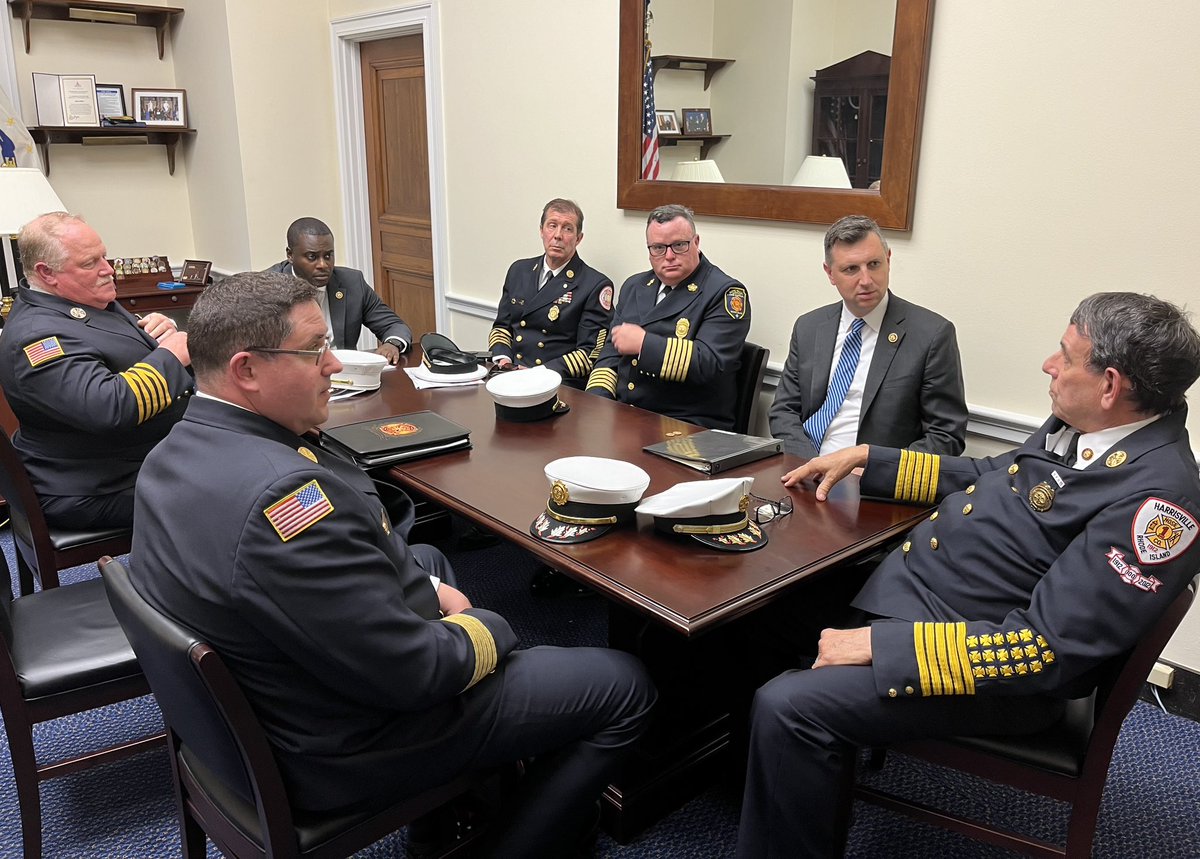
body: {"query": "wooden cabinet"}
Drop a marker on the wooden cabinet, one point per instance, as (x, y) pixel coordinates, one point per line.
(849, 113)
(139, 294)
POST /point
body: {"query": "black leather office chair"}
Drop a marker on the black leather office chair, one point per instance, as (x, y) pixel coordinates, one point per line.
(43, 550)
(61, 652)
(1068, 761)
(226, 781)
(749, 384)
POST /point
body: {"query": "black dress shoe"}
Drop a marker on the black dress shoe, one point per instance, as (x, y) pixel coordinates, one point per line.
(549, 582)
(477, 538)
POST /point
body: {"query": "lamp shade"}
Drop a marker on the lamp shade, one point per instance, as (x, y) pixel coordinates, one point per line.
(822, 171)
(697, 171)
(24, 194)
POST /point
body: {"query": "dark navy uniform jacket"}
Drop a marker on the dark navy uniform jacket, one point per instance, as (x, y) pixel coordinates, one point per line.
(92, 391)
(1032, 573)
(563, 326)
(353, 304)
(692, 351)
(286, 562)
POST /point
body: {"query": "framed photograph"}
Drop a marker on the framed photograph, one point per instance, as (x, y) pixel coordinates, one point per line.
(160, 106)
(111, 100)
(668, 123)
(195, 272)
(697, 120)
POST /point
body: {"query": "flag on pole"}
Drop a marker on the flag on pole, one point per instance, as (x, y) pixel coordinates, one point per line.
(649, 123)
(16, 146)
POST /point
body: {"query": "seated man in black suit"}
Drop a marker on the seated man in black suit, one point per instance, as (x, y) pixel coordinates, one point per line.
(555, 308)
(872, 368)
(371, 679)
(678, 330)
(92, 387)
(1040, 565)
(346, 299)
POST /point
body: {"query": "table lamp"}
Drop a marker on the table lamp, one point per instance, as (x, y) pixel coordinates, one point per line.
(822, 171)
(697, 171)
(24, 194)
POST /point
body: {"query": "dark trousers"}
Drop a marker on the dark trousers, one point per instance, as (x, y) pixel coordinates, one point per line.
(114, 510)
(805, 727)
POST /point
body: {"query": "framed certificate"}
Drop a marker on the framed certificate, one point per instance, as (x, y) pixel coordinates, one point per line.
(195, 272)
(111, 99)
(79, 100)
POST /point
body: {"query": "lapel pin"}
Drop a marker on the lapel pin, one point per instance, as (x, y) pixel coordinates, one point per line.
(78, 313)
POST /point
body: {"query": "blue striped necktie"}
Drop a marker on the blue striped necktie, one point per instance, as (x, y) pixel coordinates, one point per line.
(818, 423)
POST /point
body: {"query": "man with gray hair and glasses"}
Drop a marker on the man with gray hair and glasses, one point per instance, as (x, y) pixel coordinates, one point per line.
(872, 367)
(1039, 567)
(677, 332)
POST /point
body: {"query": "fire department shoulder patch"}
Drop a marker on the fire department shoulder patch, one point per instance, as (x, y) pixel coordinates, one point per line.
(1162, 531)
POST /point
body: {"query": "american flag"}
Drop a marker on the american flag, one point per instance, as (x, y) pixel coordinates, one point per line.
(649, 124)
(43, 350)
(292, 514)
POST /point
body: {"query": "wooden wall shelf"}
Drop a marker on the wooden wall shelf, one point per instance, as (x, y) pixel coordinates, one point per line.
(709, 65)
(135, 14)
(44, 135)
(707, 141)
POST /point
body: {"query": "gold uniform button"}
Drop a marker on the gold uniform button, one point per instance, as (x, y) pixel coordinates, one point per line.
(892, 693)
(908, 690)
(907, 546)
(544, 331)
(967, 510)
(970, 488)
(541, 345)
(1015, 490)
(933, 543)
(631, 386)
(635, 362)
(519, 356)
(1014, 468)
(537, 360)
(522, 323)
(1087, 454)
(520, 338)
(934, 516)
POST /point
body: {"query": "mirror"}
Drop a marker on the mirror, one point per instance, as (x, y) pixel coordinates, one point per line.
(891, 206)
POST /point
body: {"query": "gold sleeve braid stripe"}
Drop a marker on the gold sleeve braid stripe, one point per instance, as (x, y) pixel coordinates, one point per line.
(149, 388)
(482, 643)
(917, 476)
(604, 378)
(601, 339)
(578, 364)
(499, 336)
(942, 662)
(677, 359)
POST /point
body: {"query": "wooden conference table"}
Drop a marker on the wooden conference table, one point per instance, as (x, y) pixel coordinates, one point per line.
(664, 593)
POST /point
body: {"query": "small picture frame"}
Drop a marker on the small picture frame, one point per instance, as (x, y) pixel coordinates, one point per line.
(111, 99)
(697, 120)
(195, 272)
(160, 106)
(667, 122)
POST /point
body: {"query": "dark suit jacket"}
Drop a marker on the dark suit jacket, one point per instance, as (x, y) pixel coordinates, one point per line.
(353, 304)
(562, 326)
(914, 394)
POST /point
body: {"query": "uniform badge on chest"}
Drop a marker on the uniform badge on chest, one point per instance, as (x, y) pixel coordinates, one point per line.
(682, 327)
(1041, 497)
(554, 312)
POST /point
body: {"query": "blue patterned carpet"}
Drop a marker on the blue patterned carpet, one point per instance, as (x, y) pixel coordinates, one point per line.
(1151, 804)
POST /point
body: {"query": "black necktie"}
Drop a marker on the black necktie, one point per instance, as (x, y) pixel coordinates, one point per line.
(1068, 458)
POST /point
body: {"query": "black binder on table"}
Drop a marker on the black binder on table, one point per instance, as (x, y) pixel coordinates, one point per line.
(714, 451)
(384, 441)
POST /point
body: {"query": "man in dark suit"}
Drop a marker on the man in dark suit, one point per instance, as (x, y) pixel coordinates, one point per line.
(678, 330)
(370, 678)
(1040, 566)
(906, 387)
(346, 299)
(93, 388)
(555, 308)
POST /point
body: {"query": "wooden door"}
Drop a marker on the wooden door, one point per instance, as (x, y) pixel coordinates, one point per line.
(393, 75)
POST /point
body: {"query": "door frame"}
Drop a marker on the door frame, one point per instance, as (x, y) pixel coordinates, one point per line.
(347, 34)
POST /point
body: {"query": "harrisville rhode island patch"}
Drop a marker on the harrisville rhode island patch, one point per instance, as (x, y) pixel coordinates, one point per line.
(1162, 531)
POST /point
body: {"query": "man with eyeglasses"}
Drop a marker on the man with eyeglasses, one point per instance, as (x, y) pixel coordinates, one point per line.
(678, 330)
(871, 368)
(555, 308)
(93, 387)
(346, 299)
(371, 679)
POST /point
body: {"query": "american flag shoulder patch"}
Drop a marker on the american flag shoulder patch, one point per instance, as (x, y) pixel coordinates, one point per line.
(43, 350)
(294, 513)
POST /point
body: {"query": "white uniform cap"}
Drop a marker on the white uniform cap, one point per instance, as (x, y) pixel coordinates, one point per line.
(595, 480)
(361, 371)
(699, 498)
(526, 395)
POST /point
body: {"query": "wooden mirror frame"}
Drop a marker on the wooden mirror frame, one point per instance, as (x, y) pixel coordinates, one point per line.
(891, 206)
